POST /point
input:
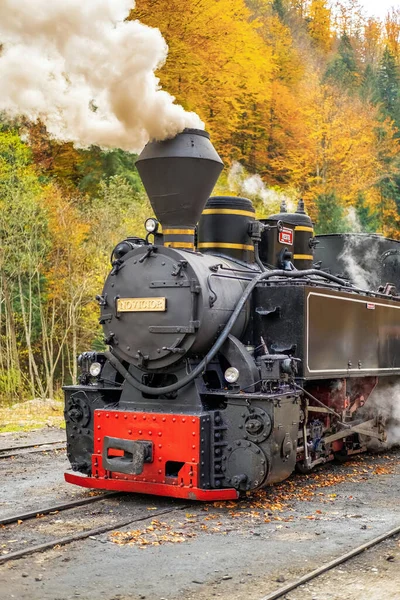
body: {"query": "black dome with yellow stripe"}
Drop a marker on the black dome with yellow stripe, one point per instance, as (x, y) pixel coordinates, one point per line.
(224, 228)
(303, 235)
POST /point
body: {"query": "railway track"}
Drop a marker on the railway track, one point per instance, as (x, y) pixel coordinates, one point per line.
(62, 541)
(55, 508)
(11, 451)
(329, 566)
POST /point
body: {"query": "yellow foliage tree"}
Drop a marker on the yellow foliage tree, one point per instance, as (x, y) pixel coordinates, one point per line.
(217, 64)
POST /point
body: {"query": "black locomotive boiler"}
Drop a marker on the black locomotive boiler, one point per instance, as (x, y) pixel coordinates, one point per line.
(232, 356)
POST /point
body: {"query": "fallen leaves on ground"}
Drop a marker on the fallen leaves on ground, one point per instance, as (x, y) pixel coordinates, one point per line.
(272, 505)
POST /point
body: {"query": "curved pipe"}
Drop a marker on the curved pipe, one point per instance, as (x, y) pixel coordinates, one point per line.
(222, 337)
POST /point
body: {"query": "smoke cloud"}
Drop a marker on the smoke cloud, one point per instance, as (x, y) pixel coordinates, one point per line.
(86, 73)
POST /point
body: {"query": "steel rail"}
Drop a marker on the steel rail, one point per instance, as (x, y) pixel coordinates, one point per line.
(84, 534)
(330, 565)
(33, 451)
(24, 447)
(55, 508)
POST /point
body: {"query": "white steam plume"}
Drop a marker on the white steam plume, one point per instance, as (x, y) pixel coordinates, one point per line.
(86, 72)
(384, 401)
(367, 275)
(253, 186)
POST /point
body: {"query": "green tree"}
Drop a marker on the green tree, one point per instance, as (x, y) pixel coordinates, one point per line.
(331, 216)
(389, 85)
(343, 70)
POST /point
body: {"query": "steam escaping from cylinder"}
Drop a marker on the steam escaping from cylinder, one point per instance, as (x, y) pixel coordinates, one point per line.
(365, 276)
(86, 73)
(385, 402)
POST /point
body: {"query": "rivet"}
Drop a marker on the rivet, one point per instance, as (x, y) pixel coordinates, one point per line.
(140, 432)
(154, 418)
(125, 416)
(160, 445)
(194, 433)
(193, 447)
(144, 417)
(160, 433)
(107, 415)
(164, 419)
(130, 431)
(160, 471)
(134, 417)
(116, 416)
(193, 420)
(150, 433)
(193, 460)
(98, 427)
(159, 459)
(125, 477)
(183, 420)
(173, 419)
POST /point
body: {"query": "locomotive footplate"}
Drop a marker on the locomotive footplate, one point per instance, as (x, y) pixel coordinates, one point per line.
(151, 453)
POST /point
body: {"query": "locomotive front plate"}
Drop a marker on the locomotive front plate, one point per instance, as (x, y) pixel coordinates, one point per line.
(141, 304)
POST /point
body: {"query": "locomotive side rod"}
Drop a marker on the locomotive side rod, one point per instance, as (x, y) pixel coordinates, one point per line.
(223, 335)
(331, 565)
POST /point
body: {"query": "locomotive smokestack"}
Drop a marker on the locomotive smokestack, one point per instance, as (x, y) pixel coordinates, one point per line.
(179, 175)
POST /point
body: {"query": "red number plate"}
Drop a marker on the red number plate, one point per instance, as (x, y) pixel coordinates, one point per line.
(286, 236)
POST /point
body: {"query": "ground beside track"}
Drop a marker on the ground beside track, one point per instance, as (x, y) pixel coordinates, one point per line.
(222, 550)
(374, 575)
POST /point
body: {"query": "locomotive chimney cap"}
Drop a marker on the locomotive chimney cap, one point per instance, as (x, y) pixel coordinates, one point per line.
(179, 175)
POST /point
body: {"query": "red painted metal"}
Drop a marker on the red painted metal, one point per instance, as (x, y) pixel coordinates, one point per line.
(174, 438)
(151, 488)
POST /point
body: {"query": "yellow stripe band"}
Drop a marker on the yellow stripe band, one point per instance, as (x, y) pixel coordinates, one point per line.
(228, 211)
(303, 228)
(179, 245)
(178, 231)
(223, 245)
(303, 257)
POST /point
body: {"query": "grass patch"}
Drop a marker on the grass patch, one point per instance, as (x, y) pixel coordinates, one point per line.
(33, 414)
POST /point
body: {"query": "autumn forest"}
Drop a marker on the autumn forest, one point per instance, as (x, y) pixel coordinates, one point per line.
(301, 98)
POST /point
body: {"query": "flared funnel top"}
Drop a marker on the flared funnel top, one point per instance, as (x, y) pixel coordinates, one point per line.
(179, 175)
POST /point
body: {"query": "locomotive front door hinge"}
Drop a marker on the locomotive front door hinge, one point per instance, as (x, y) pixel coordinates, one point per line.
(178, 268)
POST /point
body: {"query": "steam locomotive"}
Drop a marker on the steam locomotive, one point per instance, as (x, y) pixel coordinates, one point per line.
(239, 349)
